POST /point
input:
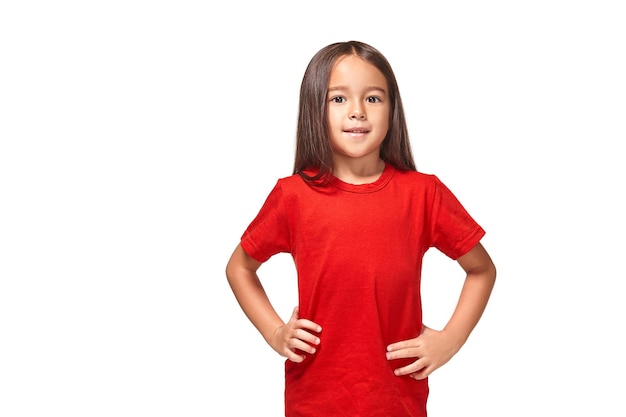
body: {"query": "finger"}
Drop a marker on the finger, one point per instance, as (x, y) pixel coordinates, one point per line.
(424, 373)
(410, 352)
(304, 323)
(303, 346)
(402, 345)
(412, 368)
(309, 325)
(421, 374)
(306, 336)
(294, 357)
(395, 346)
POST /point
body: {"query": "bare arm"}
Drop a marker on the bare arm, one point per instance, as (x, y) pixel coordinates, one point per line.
(285, 338)
(481, 276)
(435, 348)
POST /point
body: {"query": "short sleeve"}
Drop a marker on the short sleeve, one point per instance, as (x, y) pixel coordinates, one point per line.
(268, 233)
(454, 231)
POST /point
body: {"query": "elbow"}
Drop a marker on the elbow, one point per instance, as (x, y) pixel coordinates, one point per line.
(491, 273)
(230, 271)
(240, 264)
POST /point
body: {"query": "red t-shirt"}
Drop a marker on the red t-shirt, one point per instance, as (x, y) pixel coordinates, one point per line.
(358, 253)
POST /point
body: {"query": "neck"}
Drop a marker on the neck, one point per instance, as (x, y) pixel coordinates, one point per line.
(358, 172)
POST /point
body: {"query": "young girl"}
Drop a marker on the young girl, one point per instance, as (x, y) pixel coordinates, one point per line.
(357, 219)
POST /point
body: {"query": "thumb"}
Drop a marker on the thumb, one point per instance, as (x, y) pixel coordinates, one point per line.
(295, 314)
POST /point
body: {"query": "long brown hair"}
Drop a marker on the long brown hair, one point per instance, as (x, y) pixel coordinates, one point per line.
(313, 150)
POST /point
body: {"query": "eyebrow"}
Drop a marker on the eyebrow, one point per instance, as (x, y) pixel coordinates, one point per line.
(368, 89)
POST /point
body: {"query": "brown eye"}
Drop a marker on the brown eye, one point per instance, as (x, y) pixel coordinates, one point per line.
(337, 99)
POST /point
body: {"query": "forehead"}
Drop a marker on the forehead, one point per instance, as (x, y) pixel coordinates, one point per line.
(350, 70)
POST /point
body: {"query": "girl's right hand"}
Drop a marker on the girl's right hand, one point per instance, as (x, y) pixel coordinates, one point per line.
(295, 337)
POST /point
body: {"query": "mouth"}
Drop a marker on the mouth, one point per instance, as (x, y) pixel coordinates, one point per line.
(356, 131)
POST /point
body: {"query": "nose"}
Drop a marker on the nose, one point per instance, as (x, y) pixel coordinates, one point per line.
(356, 114)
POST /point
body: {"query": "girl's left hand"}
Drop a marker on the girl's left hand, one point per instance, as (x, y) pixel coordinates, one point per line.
(432, 349)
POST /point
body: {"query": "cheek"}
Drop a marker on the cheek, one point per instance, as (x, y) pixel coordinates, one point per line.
(332, 132)
(334, 117)
(335, 124)
(384, 122)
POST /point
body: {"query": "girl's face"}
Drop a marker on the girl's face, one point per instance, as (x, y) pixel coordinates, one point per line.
(358, 110)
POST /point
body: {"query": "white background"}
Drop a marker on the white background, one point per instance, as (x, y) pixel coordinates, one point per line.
(138, 140)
